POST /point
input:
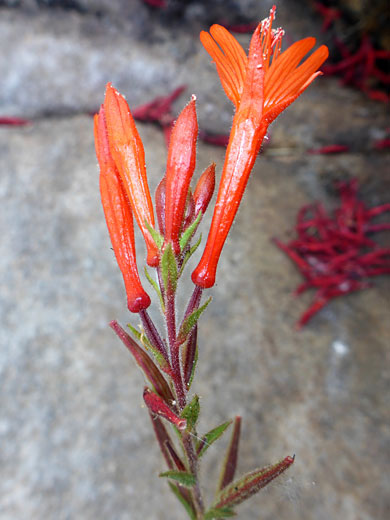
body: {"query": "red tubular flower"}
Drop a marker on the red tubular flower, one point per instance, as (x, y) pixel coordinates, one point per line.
(119, 218)
(260, 88)
(180, 167)
(128, 153)
(159, 407)
(204, 189)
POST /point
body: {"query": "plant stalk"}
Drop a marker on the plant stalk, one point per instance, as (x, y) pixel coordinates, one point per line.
(193, 466)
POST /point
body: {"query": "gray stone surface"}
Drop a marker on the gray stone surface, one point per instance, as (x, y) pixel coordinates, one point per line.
(75, 440)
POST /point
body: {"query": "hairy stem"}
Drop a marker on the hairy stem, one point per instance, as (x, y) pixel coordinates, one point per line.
(152, 334)
(193, 466)
(170, 318)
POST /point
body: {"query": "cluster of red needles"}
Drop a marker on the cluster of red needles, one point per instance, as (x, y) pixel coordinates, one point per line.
(335, 253)
(365, 68)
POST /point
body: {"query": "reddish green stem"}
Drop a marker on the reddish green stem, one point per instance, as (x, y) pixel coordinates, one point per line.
(193, 466)
(152, 334)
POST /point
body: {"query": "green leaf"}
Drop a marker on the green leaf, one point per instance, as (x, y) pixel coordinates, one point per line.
(224, 512)
(211, 437)
(191, 412)
(189, 253)
(230, 461)
(153, 283)
(135, 332)
(148, 346)
(187, 506)
(169, 268)
(243, 488)
(191, 321)
(157, 237)
(193, 368)
(184, 478)
(186, 236)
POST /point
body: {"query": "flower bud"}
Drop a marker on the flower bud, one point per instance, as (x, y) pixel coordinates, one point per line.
(189, 212)
(204, 189)
(180, 168)
(159, 197)
(128, 153)
(119, 218)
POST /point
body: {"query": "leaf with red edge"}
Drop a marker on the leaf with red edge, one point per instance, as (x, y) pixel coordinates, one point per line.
(248, 485)
(230, 462)
(183, 500)
(142, 359)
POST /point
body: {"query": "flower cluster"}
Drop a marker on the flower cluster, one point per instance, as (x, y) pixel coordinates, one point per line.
(260, 85)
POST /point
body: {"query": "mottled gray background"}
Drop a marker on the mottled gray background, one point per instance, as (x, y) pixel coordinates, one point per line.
(76, 442)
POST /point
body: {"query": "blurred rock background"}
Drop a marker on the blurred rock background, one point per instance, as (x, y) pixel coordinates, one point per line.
(75, 441)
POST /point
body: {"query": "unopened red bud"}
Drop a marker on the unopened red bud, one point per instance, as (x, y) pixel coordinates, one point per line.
(204, 189)
(119, 217)
(189, 211)
(180, 168)
(159, 407)
(160, 205)
(128, 153)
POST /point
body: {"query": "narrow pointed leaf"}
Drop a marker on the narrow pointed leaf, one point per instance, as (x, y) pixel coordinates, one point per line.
(189, 253)
(224, 512)
(193, 368)
(184, 478)
(186, 236)
(169, 268)
(164, 365)
(153, 283)
(212, 436)
(140, 336)
(187, 506)
(191, 412)
(189, 356)
(248, 485)
(166, 445)
(190, 322)
(175, 457)
(157, 237)
(230, 462)
(145, 363)
(163, 439)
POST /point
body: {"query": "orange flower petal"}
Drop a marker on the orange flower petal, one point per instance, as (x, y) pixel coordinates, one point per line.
(230, 60)
(300, 78)
(283, 66)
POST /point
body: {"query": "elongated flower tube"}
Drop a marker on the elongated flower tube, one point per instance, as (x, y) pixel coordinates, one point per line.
(119, 218)
(159, 407)
(180, 168)
(128, 153)
(261, 86)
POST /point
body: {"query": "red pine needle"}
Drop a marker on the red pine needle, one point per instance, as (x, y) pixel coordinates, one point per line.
(14, 121)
